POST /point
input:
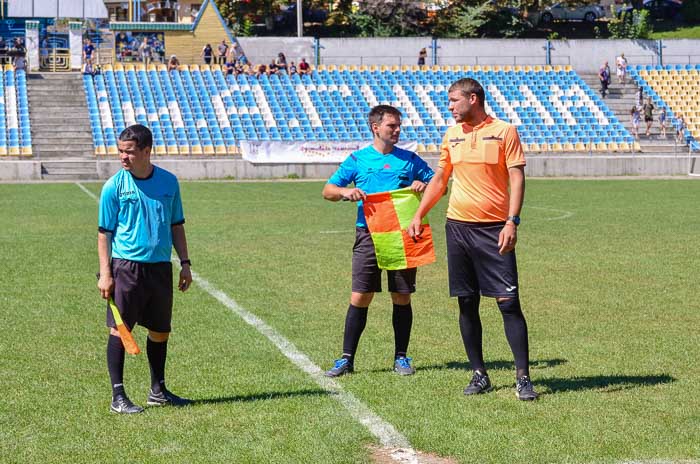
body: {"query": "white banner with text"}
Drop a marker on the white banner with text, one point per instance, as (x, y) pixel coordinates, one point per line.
(305, 152)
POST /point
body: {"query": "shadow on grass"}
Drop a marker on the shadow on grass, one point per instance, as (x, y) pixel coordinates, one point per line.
(495, 365)
(606, 383)
(259, 397)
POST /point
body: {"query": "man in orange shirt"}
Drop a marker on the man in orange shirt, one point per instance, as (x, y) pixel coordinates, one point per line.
(485, 156)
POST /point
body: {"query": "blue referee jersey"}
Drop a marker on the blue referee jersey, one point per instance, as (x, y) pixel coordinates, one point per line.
(140, 213)
(374, 172)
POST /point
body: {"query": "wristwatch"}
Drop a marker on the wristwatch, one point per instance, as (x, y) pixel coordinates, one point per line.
(185, 261)
(514, 219)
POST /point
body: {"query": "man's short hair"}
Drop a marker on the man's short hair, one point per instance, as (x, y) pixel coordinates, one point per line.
(469, 86)
(377, 113)
(139, 134)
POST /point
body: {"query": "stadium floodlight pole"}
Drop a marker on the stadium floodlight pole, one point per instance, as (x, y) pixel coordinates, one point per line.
(434, 48)
(660, 51)
(300, 19)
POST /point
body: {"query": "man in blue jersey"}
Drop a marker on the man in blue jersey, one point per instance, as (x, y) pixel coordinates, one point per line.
(140, 221)
(379, 167)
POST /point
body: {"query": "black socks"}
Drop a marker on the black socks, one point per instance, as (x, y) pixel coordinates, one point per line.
(157, 352)
(470, 328)
(355, 322)
(516, 333)
(115, 364)
(402, 320)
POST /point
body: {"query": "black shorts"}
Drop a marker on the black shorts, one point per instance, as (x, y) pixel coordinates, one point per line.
(143, 293)
(648, 119)
(366, 275)
(473, 263)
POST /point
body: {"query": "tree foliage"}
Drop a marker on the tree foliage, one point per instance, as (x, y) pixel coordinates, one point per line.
(390, 18)
(634, 24)
(691, 11)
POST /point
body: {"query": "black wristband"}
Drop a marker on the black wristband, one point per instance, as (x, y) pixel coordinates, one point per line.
(185, 261)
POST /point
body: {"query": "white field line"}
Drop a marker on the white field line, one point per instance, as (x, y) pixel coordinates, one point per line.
(387, 435)
(88, 192)
(564, 214)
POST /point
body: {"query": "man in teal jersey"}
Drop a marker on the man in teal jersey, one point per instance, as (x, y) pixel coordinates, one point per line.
(379, 167)
(140, 220)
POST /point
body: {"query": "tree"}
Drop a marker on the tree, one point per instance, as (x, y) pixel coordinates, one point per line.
(631, 24)
(387, 18)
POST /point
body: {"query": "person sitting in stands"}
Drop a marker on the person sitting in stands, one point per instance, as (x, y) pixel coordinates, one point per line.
(304, 67)
(292, 68)
(272, 68)
(281, 62)
(173, 63)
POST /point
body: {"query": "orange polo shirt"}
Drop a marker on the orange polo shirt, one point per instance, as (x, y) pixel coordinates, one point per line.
(479, 158)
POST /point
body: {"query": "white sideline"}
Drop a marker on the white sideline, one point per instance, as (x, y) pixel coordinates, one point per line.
(387, 435)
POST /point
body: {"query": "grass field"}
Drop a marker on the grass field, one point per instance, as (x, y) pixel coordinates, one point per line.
(609, 287)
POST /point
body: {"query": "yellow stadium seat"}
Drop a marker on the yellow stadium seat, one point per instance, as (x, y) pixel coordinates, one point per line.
(612, 146)
(517, 68)
(507, 68)
(363, 67)
(196, 149)
(487, 68)
(112, 150)
(527, 68)
(415, 67)
(476, 68)
(624, 146)
(420, 148)
(431, 148)
(151, 67)
(13, 151)
(26, 151)
(160, 150)
(99, 151)
(537, 68)
(601, 146)
(636, 147)
(395, 67)
(172, 150)
(568, 68)
(162, 67)
(580, 147)
(321, 67)
(234, 150)
(330, 67)
(208, 149)
(373, 67)
(220, 149)
(532, 147)
(497, 68)
(3, 151)
(405, 67)
(547, 68)
(184, 149)
(556, 147)
(568, 146)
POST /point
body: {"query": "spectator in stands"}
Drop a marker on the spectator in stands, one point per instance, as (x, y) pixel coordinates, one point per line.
(604, 76)
(222, 51)
(640, 96)
(20, 63)
(173, 63)
(648, 109)
(3, 50)
(621, 63)
(243, 59)
(272, 67)
(44, 49)
(636, 119)
(292, 68)
(145, 51)
(361, 170)
(281, 62)
(207, 53)
(262, 69)
(122, 43)
(88, 51)
(680, 129)
(422, 55)
(304, 67)
(662, 122)
(230, 68)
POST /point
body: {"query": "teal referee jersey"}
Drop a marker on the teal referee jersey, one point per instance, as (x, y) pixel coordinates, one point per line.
(139, 213)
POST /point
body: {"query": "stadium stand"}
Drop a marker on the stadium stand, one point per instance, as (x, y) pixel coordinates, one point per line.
(15, 129)
(200, 110)
(675, 87)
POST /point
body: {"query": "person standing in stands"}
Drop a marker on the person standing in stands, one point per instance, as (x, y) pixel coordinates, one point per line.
(207, 53)
(648, 109)
(88, 51)
(379, 167)
(487, 162)
(636, 119)
(422, 55)
(140, 220)
(145, 51)
(621, 64)
(662, 122)
(303, 67)
(604, 76)
(222, 50)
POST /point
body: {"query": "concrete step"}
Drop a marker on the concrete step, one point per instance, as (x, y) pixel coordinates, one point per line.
(63, 149)
(80, 140)
(76, 116)
(57, 126)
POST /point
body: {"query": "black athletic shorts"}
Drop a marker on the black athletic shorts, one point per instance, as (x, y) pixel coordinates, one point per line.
(366, 275)
(473, 263)
(143, 293)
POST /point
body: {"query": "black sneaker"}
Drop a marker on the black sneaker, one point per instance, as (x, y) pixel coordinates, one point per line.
(121, 404)
(341, 367)
(480, 383)
(524, 389)
(402, 366)
(166, 398)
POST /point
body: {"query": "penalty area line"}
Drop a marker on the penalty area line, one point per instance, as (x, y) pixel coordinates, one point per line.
(387, 435)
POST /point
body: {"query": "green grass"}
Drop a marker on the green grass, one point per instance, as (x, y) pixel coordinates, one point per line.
(676, 32)
(610, 294)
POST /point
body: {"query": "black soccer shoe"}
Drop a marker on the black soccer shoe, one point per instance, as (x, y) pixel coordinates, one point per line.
(480, 383)
(121, 404)
(166, 398)
(524, 389)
